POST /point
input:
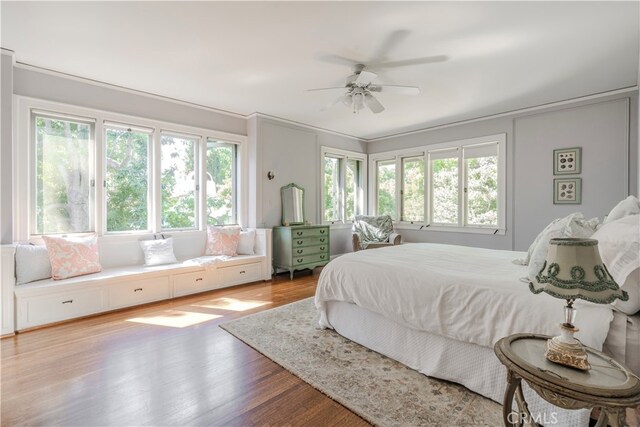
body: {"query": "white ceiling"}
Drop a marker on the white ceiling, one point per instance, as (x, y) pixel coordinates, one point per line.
(247, 57)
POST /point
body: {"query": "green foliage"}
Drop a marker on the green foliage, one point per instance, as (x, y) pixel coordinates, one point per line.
(413, 189)
(178, 182)
(331, 189)
(62, 176)
(387, 189)
(220, 171)
(482, 191)
(444, 181)
(127, 180)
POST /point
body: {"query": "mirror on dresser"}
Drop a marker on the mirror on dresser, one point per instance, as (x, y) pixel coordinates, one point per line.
(292, 204)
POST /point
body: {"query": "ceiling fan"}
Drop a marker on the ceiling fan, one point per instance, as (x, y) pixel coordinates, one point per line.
(359, 87)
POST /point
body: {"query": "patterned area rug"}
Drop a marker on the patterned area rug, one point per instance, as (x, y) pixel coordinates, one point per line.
(380, 390)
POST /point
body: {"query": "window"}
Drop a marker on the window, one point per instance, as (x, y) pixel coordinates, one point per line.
(481, 185)
(459, 185)
(63, 176)
(221, 182)
(126, 178)
(98, 171)
(178, 180)
(444, 187)
(386, 188)
(412, 193)
(343, 183)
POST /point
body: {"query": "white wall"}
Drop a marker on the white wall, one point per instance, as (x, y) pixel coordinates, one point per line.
(607, 130)
(6, 136)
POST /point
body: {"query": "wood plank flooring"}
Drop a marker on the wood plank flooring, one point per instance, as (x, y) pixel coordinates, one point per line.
(161, 364)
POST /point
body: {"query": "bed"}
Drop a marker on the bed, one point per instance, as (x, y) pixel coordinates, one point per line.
(439, 309)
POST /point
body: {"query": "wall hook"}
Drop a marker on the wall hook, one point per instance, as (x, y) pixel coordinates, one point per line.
(270, 175)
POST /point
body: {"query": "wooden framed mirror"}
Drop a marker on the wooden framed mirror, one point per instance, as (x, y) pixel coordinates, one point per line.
(292, 197)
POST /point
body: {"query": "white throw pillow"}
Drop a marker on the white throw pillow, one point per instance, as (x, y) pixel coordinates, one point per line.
(246, 242)
(573, 225)
(158, 252)
(32, 263)
(619, 246)
(629, 206)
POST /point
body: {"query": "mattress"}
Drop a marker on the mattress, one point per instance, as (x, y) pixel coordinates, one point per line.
(472, 295)
(471, 365)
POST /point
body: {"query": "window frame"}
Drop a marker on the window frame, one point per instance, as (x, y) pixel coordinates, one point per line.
(234, 177)
(425, 150)
(344, 156)
(24, 154)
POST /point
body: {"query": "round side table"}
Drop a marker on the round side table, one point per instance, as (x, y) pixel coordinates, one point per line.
(608, 385)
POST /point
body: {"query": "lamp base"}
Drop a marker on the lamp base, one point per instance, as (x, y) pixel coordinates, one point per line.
(566, 350)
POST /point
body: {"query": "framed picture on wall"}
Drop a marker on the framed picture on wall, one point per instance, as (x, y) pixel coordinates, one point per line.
(567, 161)
(567, 191)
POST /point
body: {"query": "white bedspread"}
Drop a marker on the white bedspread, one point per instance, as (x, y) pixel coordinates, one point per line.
(468, 294)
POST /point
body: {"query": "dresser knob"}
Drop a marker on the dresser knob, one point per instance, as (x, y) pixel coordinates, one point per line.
(322, 231)
(299, 259)
(322, 240)
(321, 256)
(299, 242)
(322, 248)
(299, 233)
(299, 251)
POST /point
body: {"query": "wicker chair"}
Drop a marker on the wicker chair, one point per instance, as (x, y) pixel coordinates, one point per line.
(356, 238)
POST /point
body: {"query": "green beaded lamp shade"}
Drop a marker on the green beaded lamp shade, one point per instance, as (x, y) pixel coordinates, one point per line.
(574, 270)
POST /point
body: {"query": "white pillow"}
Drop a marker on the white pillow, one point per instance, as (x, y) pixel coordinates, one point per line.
(246, 242)
(32, 263)
(157, 252)
(619, 246)
(573, 225)
(629, 206)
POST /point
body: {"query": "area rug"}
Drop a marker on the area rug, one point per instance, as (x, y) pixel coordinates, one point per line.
(380, 390)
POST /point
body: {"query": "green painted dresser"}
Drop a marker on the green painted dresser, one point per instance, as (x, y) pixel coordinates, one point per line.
(299, 247)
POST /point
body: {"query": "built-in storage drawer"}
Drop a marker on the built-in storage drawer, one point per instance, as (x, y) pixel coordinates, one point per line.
(244, 273)
(309, 232)
(139, 292)
(299, 260)
(189, 283)
(309, 250)
(310, 241)
(38, 310)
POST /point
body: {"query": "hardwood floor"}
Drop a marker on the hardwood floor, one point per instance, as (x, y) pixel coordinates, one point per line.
(163, 364)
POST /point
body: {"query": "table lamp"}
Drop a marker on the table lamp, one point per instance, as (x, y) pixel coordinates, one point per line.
(573, 269)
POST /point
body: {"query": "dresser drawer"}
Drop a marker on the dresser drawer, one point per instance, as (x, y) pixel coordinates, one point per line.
(189, 283)
(236, 274)
(310, 241)
(139, 292)
(39, 310)
(300, 260)
(309, 250)
(309, 232)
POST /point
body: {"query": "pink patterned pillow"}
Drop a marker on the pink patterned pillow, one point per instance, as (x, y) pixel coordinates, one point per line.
(222, 240)
(72, 257)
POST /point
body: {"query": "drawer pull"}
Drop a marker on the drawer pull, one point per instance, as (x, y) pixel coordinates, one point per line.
(137, 290)
(300, 259)
(322, 231)
(69, 301)
(322, 240)
(299, 242)
(242, 271)
(322, 248)
(321, 256)
(199, 279)
(299, 233)
(299, 251)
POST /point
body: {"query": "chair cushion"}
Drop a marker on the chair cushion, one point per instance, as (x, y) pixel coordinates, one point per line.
(372, 229)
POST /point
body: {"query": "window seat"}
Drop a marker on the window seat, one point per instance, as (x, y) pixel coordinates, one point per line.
(47, 301)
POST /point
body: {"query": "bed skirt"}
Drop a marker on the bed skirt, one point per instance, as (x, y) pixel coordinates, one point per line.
(471, 365)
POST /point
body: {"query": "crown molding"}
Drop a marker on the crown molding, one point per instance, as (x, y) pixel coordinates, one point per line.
(304, 125)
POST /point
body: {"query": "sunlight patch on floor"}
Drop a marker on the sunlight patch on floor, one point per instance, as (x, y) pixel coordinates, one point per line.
(175, 318)
(232, 304)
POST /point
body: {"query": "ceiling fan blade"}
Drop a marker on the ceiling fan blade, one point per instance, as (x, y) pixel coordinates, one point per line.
(412, 61)
(364, 78)
(389, 44)
(336, 59)
(325, 88)
(401, 90)
(373, 104)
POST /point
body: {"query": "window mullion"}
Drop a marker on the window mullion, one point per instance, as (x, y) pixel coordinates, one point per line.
(156, 187)
(100, 211)
(461, 188)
